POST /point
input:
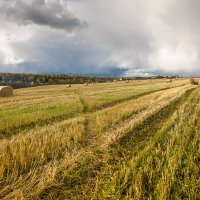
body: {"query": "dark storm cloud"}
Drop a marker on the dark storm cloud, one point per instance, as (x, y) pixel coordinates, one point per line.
(54, 14)
(123, 37)
(78, 56)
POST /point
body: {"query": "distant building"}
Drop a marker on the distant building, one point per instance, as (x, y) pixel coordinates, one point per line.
(42, 83)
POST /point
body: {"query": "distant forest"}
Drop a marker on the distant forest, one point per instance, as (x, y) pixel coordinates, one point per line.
(17, 80)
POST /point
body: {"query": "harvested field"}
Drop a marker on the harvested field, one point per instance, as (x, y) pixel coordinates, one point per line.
(136, 140)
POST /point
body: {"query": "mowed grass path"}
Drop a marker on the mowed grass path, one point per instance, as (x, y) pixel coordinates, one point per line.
(81, 155)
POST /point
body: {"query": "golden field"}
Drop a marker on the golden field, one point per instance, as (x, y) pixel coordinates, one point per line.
(136, 140)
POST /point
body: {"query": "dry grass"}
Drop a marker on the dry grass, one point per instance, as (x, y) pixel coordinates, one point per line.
(104, 141)
(32, 107)
(165, 167)
(194, 81)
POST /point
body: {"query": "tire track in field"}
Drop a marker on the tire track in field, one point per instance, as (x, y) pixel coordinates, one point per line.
(85, 104)
(88, 122)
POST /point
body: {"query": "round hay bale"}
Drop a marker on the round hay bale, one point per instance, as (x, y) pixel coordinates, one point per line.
(6, 91)
(194, 81)
(169, 81)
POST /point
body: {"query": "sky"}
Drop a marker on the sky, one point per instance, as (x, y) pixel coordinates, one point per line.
(100, 37)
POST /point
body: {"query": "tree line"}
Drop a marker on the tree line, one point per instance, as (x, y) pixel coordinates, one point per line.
(20, 80)
(25, 80)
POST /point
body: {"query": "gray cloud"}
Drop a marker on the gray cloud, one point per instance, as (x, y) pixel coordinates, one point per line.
(54, 14)
(124, 37)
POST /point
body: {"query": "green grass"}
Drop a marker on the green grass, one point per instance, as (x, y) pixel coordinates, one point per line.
(15, 120)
